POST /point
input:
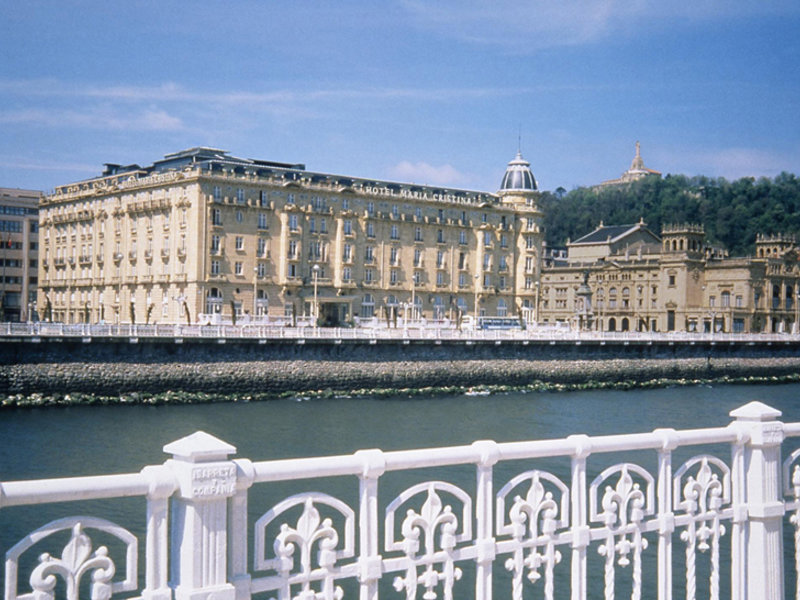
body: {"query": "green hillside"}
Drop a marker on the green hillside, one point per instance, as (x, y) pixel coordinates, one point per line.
(732, 212)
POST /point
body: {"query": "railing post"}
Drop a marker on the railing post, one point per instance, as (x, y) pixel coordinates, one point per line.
(369, 563)
(199, 532)
(762, 483)
(484, 513)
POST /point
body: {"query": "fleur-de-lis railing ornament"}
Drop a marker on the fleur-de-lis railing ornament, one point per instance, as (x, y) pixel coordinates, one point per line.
(300, 541)
(76, 560)
(702, 497)
(791, 478)
(624, 507)
(419, 532)
(532, 524)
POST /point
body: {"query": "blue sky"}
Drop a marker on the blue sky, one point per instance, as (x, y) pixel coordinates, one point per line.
(406, 90)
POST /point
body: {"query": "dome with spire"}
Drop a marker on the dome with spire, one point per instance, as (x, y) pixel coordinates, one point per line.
(518, 176)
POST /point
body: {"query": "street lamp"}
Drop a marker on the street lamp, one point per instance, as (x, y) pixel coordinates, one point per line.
(255, 292)
(315, 268)
(475, 324)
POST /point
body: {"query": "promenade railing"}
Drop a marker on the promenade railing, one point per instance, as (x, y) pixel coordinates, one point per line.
(413, 331)
(708, 514)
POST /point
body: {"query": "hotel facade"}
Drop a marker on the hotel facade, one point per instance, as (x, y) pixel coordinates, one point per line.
(203, 236)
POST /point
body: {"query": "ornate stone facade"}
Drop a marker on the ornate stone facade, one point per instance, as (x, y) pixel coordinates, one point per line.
(640, 281)
(202, 236)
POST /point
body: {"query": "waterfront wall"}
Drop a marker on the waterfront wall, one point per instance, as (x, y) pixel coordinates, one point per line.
(121, 365)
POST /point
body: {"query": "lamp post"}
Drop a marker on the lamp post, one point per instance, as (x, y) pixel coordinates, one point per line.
(255, 292)
(315, 268)
(475, 324)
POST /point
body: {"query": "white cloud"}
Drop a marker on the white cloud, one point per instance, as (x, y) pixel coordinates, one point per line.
(536, 24)
(150, 119)
(731, 163)
(38, 165)
(427, 174)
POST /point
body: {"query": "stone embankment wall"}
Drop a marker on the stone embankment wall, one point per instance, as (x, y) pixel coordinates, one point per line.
(112, 367)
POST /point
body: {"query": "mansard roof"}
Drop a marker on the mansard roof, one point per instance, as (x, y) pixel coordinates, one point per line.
(613, 233)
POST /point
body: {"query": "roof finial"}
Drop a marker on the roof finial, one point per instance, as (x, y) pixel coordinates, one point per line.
(519, 139)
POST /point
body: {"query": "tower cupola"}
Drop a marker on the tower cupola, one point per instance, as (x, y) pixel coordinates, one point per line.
(518, 176)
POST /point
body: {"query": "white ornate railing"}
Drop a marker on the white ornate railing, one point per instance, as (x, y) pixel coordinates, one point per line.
(603, 526)
(377, 330)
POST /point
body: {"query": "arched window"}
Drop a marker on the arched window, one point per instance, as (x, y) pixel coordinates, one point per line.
(612, 324)
(625, 324)
(368, 306)
(214, 301)
(502, 308)
(438, 308)
(262, 303)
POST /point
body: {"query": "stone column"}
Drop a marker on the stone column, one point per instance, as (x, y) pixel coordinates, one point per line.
(765, 508)
(199, 537)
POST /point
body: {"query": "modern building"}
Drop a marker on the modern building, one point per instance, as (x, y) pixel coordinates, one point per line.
(636, 171)
(627, 278)
(19, 224)
(204, 236)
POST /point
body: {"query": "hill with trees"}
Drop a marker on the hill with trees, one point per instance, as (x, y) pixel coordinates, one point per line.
(732, 212)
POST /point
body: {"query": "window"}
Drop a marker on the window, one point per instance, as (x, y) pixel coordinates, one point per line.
(462, 237)
(395, 235)
(440, 260)
(502, 308)
(529, 264)
(237, 268)
(347, 227)
(712, 301)
(393, 256)
(417, 257)
(347, 253)
(487, 280)
(369, 275)
(417, 213)
(312, 225)
(672, 280)
(292, 253)
(369, 254)
(462, 260)
(529, 242)
(487, 238)
(462, 280)
(290, 198)
(292, 270)
(393, 277)
(368, 306)
(263, 198)
(487, 262)
(440, 278)
(417, 278)
(240, 199)
(262, 221)
(293, 222)
(262, 247)
(323, 225)
(395, 211)
(347, 274)
(262, 270)
(739, 301)
(504, 241)
(726, 299)
(217, 194)
(239, 242)
(215, 267)
(440, 236)
(371, 209)
(345, 203)
(418, 234)
(214, 244)
(370, 230)
(216, 217)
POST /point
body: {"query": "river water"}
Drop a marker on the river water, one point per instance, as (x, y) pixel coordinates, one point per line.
(59, 442)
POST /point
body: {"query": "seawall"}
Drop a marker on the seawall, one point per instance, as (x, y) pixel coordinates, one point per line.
(113, 366)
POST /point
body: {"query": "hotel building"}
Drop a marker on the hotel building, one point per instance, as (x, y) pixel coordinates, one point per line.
(204, 236)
